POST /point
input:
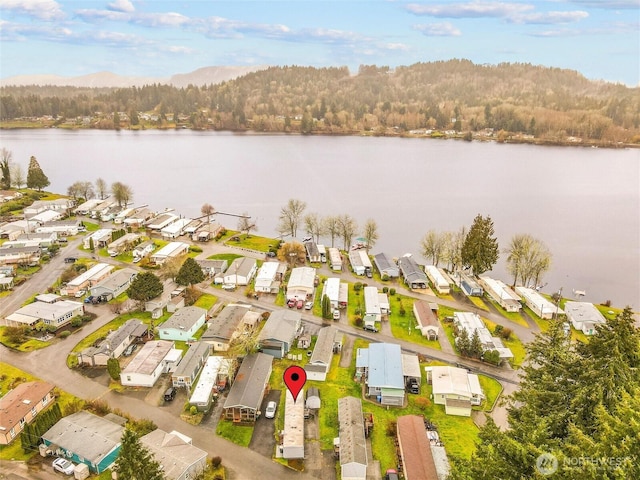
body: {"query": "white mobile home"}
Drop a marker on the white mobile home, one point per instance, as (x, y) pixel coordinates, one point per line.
(360, 262)
(437, 279)
(214, 376)
(175, 229)
(584, 316)
(540, 305)
(503, 295)
(100, 238)
(322, 250)
(161, 221)
(122, 244)
(372, 304)
(154, 359)
(269, 277)
(335, 259)
(170, 250)
(293, 435)
(331, 289)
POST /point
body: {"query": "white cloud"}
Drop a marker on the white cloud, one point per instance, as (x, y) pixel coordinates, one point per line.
(476, 9)
(609, 4)
(443, 29)
(169, 19)
(549, 18)
(91, 16)
(121, 6)
(41, 9)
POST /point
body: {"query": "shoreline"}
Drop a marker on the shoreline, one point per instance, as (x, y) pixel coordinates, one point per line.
(436, 135)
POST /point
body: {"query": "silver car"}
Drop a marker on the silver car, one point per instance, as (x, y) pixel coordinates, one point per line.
(63, 465)
(270, 411)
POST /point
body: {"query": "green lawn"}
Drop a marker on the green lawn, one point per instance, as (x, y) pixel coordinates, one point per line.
(403, 328)
(514, 317)
(90, 226)
(28, 346)
(238, 434)
(229, 257)
(514, 343)
(542, 324)
(252, 242)
(206, 301)
(491, 388)
(478, 302)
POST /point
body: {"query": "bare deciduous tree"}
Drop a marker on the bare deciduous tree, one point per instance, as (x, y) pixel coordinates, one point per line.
(313, 225)
(208, 210)
(347, 227)
(122, 193)
(17, 176)
(101, 188)
(246, 224)
(370, 233)
(527, 259)
(433, 246)
(292, 253)
(331, 227)
(290, 216)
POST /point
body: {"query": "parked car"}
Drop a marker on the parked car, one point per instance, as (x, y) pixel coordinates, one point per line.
(80, 293)
(169, 394)
(299, 304)
(130, 349)
(336, 314)
(291, 303)
(89, 299)
(413, 386)
(391, 475)
(370, 328)
(308, 305)
(271, 254)
(270, 411)
(70, 260)
(63, 465)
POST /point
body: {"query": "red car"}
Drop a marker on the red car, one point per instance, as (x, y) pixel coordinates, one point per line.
(291, 303)
(300, 304)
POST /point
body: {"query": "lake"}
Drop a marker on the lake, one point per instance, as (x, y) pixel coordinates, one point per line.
(584, 203)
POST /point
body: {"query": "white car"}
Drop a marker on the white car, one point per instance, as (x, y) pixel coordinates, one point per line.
(336, 314)
(308, 305)
(63, 465)
(270, 411)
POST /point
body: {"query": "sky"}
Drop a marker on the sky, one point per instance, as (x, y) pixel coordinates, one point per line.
(156, 38)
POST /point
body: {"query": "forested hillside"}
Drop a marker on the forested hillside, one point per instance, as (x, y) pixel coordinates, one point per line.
(515, 101)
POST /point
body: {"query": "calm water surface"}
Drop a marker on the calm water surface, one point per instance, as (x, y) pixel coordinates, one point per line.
(583, 202)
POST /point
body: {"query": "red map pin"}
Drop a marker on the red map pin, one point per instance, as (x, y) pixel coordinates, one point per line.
(294, 378)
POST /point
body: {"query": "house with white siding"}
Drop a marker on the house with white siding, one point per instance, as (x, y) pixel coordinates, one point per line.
(240, 272)
(214, 377)
(191, 365)
(170, 250)
(584, 316)
(455, 388)
(269, 277)
(301, 283)
(380, 366)
(56, 314)
(151, 361)
(538, 304)
(472, 323)
(179, 459)
(352, 441)
(503, 295)
(329, 342)
(412, 273)
(88, 279)
(439, 282)
(176, 228)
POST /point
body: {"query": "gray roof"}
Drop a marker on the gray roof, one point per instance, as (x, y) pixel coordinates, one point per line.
(126, 330)
(117, 280)
(323, 350)
(192, 358)
(248, 387)
(385, 366)
(172, 452)
(424, 314)
(184, 318)
(583, 312)
(226, 323)
(86, 435)
(241, 266)
(353, 447)
(218, 266)
(282, 326)
(384, 262)
(411, 271)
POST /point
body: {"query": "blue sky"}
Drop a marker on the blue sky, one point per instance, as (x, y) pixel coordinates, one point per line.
(599, 38)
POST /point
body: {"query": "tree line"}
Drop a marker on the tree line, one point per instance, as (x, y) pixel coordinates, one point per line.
(548, 103)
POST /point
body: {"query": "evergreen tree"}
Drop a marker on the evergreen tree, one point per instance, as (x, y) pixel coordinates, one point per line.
(35, 176)
(480, 248)
(5, 169)
(113, 367)
(145, 287)
(134, 461)
(463, 343)
(190, 273)
(326, 307)
(475, 346)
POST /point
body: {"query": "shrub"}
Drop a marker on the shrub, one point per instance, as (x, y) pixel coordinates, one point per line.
(195, 248)
(391, 429)
(358, 321)
(76, 322)
(491, 356)
(64, 334)
(385, 289)
(498, 330)
(216, 462)
(423, 402)
(357, 287)
(506, 333)
(193, 410)
(402, 310)
(392, 291)
(385, 277)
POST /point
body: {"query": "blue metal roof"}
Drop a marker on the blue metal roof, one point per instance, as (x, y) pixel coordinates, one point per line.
(385, 366)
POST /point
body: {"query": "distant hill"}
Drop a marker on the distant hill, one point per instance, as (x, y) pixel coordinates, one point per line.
(199, 77)
(506, 102)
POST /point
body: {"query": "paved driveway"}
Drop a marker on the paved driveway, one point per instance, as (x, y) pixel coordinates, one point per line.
(263, 440)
